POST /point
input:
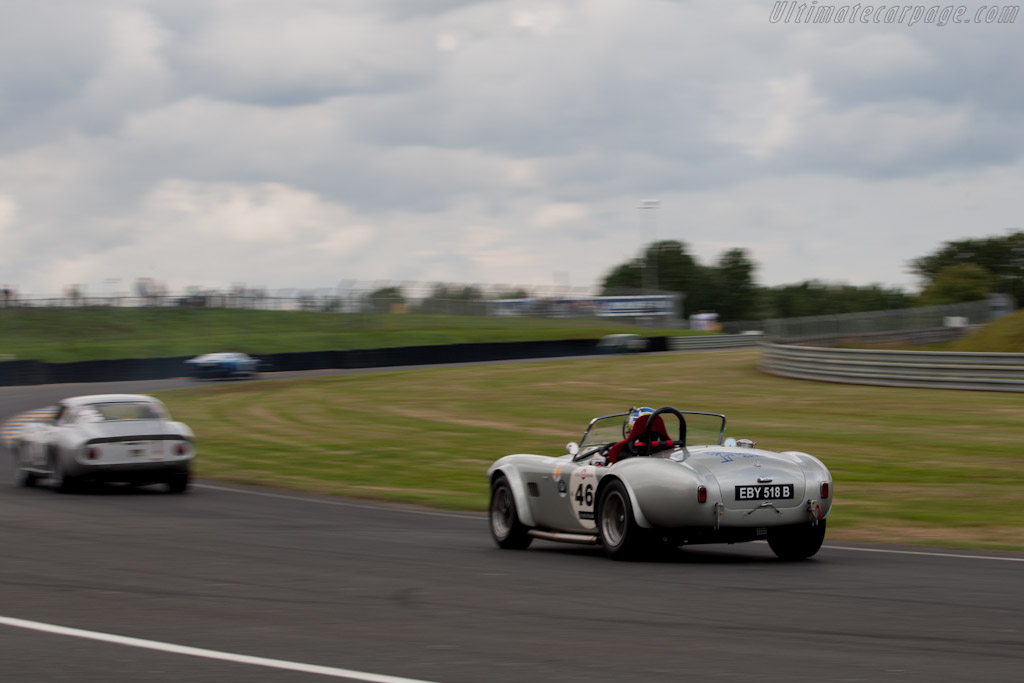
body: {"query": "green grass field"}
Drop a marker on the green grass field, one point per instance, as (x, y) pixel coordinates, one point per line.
(92, 333)
(914, 466)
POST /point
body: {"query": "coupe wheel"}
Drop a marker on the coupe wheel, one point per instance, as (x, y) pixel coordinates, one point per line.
(22, 477)
(621, 536)
(60, 481)
(179, 481)
(798, 541)
(507, 530)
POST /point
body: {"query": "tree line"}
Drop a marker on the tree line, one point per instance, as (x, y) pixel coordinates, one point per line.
(958, 271)
(964, 270)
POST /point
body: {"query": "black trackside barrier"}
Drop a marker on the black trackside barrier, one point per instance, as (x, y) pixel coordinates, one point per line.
(657, 344)
(16, 373)
(300, 360)
(128, 369)
(26, 372)
(466, 353)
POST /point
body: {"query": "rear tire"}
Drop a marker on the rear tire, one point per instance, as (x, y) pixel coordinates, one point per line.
(797, 541)
(621, 536)
(179, 482)
(506, 529)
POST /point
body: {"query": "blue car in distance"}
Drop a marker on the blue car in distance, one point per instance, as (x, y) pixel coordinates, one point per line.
(222, 366)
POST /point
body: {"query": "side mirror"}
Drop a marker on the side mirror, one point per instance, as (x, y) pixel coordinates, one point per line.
(572, 448)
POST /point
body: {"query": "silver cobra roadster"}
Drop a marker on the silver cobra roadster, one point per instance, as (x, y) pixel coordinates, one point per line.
(633, 483)
(109, 437)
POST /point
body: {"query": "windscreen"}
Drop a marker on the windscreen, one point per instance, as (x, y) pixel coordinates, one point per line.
(702, 429)
(107, 412)
(604, 430)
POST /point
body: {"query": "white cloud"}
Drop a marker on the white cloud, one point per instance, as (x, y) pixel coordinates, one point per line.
(8, 215)
(553, 215)
(186, 233)
(504, 141)
(765, 118)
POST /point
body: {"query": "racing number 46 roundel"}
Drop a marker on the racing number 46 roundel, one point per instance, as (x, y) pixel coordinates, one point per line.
(581, 492)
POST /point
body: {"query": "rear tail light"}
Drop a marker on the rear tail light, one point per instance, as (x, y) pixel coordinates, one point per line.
(91, 453)
(181, 449)
(702, 494)
(824, 489)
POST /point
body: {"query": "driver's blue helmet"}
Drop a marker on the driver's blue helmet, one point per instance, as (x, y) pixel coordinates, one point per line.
(634, 415)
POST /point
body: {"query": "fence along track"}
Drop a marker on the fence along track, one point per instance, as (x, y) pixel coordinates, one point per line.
(918, 369)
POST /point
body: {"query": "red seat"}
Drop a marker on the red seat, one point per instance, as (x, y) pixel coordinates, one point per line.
(658, 432)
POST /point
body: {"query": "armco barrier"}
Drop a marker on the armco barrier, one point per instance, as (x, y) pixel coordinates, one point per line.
(714, 341)
(918, 369)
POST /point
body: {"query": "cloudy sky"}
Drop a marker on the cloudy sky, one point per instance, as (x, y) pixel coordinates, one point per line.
(305, 143)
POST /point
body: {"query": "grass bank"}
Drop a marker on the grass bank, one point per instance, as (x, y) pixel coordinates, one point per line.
(95, 333)
(1005, 335)
(914, 466)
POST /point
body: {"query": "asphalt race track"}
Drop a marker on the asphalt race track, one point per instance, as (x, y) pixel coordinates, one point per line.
(235, 584)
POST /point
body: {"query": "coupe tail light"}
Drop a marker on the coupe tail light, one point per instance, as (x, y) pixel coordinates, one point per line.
(702, 494)
(91, 453)
(824, 489)
(181, 449)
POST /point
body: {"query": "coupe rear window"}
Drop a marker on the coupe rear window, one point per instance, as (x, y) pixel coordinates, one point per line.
(105, 412)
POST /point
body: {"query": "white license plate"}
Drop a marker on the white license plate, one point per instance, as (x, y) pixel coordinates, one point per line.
(764, 492)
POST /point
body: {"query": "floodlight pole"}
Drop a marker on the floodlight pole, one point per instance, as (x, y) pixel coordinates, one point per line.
(651, 264)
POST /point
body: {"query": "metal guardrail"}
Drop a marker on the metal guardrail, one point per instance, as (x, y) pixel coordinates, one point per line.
(714, 341)
(917, 369)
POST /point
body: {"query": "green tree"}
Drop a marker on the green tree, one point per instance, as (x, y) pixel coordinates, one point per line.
(381, 300)
(959, 283)
(661, 266)
(667, 267)
(454, 300)
(814, 297)
(1003, 257)
(515, 293)
(733, 293)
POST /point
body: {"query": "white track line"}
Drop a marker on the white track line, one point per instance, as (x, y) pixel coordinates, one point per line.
(340, 503)
(208, 654)
(924, 553)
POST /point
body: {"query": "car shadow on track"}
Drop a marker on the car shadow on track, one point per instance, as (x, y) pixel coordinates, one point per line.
(738, 554)
(113, 489)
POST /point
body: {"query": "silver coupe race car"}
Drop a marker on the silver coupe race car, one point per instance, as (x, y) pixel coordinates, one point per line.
(109, 437)
(646, 478)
